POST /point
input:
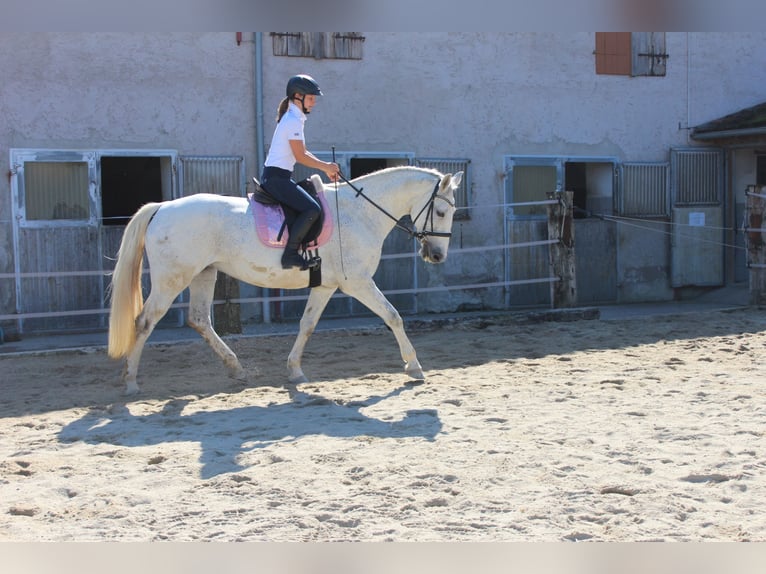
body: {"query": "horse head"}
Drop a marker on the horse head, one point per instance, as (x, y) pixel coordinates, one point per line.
(433, 221)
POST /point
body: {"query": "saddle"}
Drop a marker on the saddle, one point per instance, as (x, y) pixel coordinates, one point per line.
(274, 219)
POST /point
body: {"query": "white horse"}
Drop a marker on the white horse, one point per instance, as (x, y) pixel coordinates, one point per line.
(188, 240)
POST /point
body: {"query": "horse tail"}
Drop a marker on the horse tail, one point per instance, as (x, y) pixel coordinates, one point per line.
(127, 298)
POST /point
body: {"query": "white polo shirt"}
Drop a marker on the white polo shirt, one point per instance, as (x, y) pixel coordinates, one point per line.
(290, 127)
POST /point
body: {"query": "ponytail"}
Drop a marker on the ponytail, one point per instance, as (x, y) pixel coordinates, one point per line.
(282, 108)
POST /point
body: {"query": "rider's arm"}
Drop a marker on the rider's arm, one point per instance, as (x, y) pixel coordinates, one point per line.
(305, 157)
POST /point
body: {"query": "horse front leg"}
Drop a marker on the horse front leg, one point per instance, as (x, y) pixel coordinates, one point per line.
(371, 297)
(317, 301)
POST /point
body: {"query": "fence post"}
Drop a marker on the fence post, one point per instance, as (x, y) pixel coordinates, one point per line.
(756, 255)
(562, 253)
(226, 319)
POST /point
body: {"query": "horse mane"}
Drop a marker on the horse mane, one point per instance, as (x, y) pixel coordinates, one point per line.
(398, 169)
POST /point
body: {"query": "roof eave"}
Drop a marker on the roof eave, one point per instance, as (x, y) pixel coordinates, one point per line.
(726, 134)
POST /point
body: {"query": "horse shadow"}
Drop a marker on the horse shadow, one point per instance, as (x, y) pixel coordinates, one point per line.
(225, 435)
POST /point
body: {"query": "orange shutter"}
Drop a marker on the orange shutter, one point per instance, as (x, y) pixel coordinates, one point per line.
(613, 54)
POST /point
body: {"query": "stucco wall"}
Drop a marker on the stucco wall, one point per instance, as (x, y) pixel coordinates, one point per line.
(185, 91)
(481, 96)
(488, 95)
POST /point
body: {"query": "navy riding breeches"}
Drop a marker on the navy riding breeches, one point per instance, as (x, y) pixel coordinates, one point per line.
(279, 184)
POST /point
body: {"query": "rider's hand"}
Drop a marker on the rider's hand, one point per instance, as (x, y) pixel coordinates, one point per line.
(333, 171)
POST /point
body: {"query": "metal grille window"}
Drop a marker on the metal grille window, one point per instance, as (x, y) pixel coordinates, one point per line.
(462, 199)
(222, 175)
(644, 190)
(335, 45)
(697, 176)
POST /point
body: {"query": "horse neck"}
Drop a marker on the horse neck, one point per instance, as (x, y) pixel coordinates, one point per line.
(398, 195)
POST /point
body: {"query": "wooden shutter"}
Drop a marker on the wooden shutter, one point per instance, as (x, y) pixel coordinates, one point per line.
(613, 53)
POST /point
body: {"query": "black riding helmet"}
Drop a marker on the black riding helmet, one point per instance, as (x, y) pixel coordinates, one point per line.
(302, 84)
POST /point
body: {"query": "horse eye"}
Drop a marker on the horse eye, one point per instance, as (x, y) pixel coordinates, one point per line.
(439, 213)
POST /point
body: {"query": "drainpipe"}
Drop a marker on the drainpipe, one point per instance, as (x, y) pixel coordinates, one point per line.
(259, 153)
(260, 157)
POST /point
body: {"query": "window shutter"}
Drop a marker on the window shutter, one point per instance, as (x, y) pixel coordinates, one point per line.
(613, 53)
(318, 45)
(649, 54)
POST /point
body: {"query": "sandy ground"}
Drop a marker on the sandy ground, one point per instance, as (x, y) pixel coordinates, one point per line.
(649, 429)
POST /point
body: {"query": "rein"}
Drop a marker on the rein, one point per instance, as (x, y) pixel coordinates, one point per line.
(419, 235)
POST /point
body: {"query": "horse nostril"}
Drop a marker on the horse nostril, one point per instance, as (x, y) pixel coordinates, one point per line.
(436, 257)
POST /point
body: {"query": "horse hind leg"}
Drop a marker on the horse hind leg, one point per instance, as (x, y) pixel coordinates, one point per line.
(157, 304)
(201, 293)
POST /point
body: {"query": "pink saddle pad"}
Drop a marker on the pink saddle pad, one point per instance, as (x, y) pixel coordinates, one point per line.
(269, 219)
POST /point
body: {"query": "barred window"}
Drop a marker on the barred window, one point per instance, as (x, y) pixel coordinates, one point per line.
(644, 190)
(462, 199)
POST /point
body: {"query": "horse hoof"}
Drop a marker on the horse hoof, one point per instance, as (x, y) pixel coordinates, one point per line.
(416, 374)
(132, 390)
(239, 374)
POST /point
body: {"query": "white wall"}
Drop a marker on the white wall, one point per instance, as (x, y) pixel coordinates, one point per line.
(488, 95)
(471, 95)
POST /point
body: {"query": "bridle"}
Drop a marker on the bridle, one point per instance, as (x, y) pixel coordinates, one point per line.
(428, 208)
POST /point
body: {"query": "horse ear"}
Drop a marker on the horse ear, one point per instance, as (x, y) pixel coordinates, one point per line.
(451, 180)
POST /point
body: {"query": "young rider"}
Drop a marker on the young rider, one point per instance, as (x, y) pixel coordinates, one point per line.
(288, 147)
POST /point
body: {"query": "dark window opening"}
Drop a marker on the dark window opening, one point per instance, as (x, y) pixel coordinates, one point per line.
(576, 182)
(760, 170)
(591, 184)
(363, 165)
(127, 183)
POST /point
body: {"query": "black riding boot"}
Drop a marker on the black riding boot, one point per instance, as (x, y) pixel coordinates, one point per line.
(291, 257)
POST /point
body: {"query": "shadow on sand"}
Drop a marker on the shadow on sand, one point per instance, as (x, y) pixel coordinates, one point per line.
(226, 434)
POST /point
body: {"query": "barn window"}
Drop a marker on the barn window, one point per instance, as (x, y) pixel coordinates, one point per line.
(127, 183)
(318, 45)
(630, 53)
(462, 194)
(592, 184)
(530, 183)
(56, 190)
(531, 178)
(644, 189)
(760, 169)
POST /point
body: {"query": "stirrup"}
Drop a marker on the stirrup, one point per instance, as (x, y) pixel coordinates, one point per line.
(293, 259)
(313, 262)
